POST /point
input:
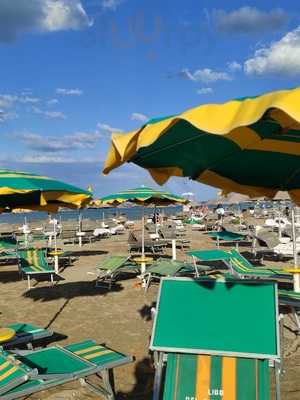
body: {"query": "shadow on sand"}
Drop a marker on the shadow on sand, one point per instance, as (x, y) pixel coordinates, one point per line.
(144, 378)
(69, 290)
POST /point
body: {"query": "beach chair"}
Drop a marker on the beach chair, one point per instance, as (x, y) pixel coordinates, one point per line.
(225, 354)
(239, 266)
(227, 237)
(26, 334)
(23, 373)
(111, 267)
(193, 376)
(165, 267)
(33, 262)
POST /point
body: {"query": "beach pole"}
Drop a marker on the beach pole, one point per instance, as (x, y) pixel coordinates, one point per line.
(296, 274)
(143, 264)
(55, 245)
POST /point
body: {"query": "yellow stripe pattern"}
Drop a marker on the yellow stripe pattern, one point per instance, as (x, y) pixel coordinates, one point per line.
(8, 373)
(203, 377)
(89, 353)
(229, 378)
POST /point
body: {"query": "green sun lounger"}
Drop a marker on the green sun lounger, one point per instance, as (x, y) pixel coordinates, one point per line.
(33, 262)
(227, 236)
(192, 376)
(53, 366)
(165, 267)
(111, 267)
(226, 353)
(26, 334)
(239, 266)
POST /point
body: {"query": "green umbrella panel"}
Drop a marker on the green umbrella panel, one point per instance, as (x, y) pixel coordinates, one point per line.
(34, 192)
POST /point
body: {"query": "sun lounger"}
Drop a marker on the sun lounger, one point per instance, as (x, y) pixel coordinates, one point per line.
(192, 376)
(227, 237)
(33, 262)
(26, 372)
(240, 266)
(111, 267)
(26, 334)
(165, 267)
(202, 363)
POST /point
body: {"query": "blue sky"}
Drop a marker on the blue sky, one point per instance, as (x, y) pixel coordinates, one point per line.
(74, 71)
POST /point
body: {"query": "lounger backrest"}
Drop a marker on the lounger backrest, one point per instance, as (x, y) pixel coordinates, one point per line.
(240, 263)
(113, 262)
(12, 372)
(191, 376)
(97, 354)
(32, 257)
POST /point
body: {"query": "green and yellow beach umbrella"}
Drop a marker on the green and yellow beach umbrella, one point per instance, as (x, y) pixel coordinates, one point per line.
(143, 196)
(34, 192)
(249, 145)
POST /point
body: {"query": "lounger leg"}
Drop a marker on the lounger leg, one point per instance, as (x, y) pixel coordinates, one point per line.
(158, 376)
(277, 379)
(28, 281)
(296, 316)
(51, 277)
(106, 390)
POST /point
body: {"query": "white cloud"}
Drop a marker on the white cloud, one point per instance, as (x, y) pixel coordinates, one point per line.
(139, 117)
(54, 144)
(280, 58)
(52, 102)
(29, 99)
(206, 90)
(205, 75)
(249, 20)
(17, 17)
(7, 100)
(111, 4)
(234, 66)
(54, 159)
(107, 128)
(5, 116)
(49, 114)
(69, 92)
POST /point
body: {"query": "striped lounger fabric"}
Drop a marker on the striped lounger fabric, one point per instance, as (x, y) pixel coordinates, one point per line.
(206, 377)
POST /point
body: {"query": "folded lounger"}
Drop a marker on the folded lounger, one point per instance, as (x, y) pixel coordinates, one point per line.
(26, 334)
(33, 262)
(111, 267)
(26, 372)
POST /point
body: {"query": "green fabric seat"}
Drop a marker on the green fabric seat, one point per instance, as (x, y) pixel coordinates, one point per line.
(33, 262)
(8, 243)
(112, 266)
(191, 376)
(56, 365)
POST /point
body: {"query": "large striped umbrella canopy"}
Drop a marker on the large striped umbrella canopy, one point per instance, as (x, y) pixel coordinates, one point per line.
(249, 145)
(143, 196)
(34, 192)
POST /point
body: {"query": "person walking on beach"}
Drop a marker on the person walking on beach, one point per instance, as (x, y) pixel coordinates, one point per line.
(220, 213)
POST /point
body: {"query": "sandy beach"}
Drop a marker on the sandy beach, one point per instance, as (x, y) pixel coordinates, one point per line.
(75, 310)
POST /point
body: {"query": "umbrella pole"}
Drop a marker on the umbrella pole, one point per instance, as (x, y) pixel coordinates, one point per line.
(55, 246)
(156, 230)
(143, 265)
(296, 275)
(80, 228)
